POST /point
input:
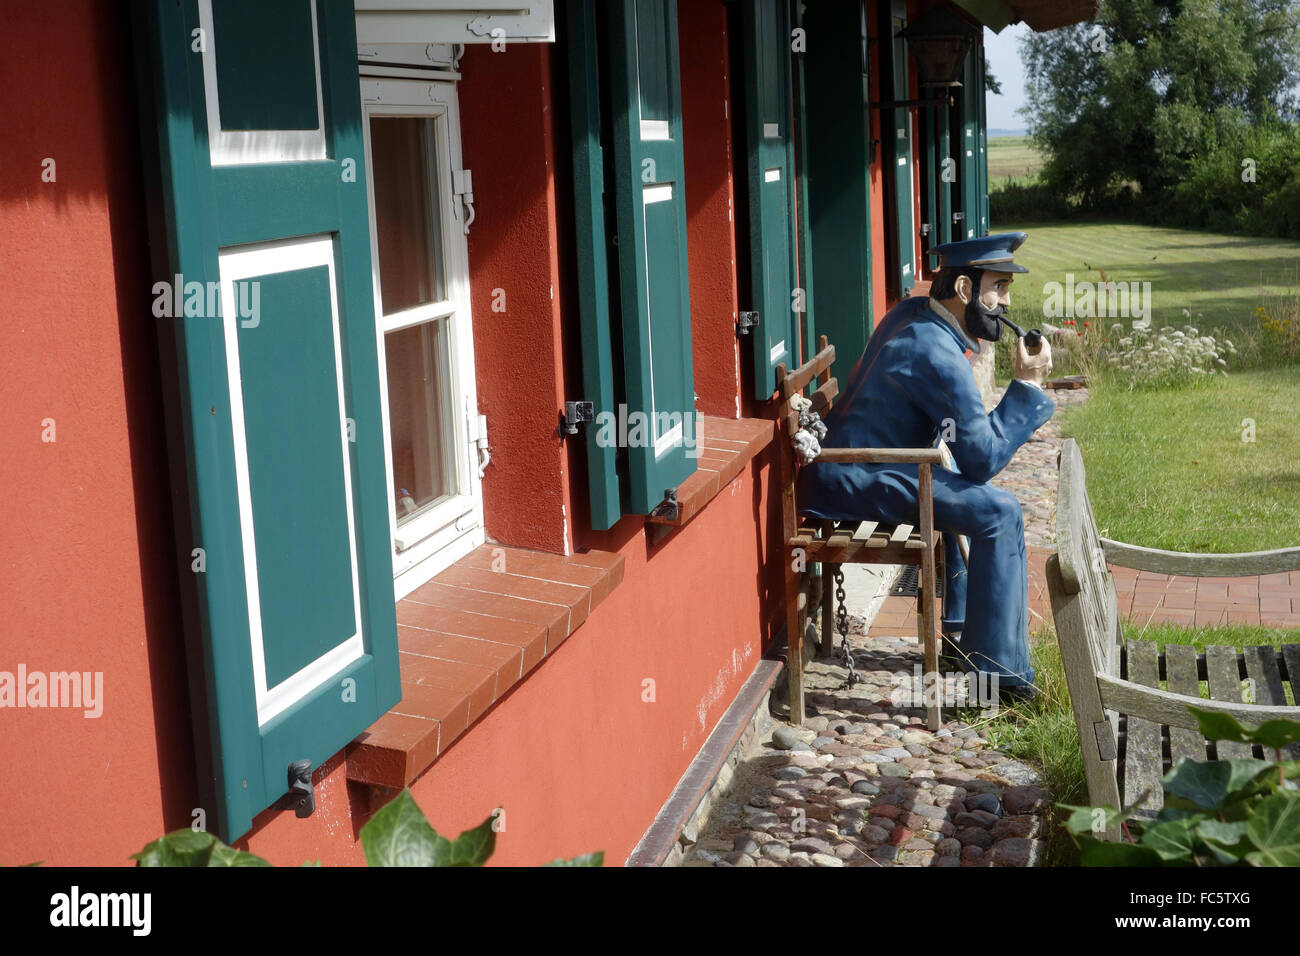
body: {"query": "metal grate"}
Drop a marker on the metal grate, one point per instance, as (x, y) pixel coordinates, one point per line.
(908, 583)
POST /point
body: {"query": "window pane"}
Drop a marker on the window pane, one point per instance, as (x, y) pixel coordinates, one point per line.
(420, 416)
(408, 221)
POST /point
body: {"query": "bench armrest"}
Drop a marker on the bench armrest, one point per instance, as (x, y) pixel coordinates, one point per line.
(928, 456)
(1186, 564)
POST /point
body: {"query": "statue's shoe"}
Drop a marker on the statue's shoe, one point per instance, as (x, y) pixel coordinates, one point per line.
(1018, 694)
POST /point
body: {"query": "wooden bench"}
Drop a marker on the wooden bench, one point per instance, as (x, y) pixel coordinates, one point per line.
(831, 543)
(1130, 699)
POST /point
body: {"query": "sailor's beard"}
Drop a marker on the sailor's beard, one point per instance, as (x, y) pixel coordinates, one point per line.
(983, 322)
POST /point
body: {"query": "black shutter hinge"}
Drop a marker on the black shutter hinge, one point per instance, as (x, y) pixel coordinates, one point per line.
(575, 414)
(667, 508)
(301, 798)
(745, 322)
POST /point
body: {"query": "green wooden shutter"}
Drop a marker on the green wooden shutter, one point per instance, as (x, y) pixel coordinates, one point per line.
(835, 110)
(768, 141)
(946, 174)
(580, 32)
(254, 120)
(650, 219)
(900, 136)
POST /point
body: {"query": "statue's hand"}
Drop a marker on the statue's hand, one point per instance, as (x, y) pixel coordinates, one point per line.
(1033, 368)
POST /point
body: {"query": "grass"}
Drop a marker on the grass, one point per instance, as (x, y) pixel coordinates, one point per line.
(1012, 157)
(1169, 469)
(1219, 276)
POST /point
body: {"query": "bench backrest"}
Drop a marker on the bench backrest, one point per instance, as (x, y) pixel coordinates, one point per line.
(1084, 577)
(789, 384)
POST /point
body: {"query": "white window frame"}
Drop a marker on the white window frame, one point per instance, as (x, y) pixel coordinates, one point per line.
(449, 529)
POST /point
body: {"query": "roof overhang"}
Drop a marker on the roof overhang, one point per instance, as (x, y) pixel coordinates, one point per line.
(1041, 15)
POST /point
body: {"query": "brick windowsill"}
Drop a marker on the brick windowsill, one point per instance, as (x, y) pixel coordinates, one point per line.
(465, 639)
(726, 446)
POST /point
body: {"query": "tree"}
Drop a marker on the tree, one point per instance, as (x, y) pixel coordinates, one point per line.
(1151, 86)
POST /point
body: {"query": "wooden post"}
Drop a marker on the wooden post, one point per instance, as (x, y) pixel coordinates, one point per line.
(793, 578)
(925, 596)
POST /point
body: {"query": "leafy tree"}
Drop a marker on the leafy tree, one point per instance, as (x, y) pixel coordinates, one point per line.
(1152, 86)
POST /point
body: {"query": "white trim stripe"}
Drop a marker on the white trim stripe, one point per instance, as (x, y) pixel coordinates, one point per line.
(245, 262)
(242, 147)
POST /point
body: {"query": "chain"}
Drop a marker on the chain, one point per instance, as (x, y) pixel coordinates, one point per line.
(842, 625)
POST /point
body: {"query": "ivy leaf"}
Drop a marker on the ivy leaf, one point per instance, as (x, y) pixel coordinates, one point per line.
(1216, 726)
(1227, 841)
(1209, 785)
(1276, 734)
(1172, 839)
(188, 847)
(1083, 819)
(1093, 852)
(1274, 827)
(586, 859)
(473, 847)
(399, 835)
(223, 855)
(1271, 733)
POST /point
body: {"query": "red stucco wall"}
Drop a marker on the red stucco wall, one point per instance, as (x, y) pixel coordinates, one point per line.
(87, 580)
(577, 757)
(506, 124)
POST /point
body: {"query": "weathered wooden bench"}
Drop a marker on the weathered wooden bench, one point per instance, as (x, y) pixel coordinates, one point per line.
(832, 543)
(1130, 699)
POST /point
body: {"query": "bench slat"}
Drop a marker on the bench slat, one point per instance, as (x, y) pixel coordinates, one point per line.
(1291, 661)
(864, 531)
(1142, 762)
(1181, 673)
(1225, 684)
(1261, 667)
(1291, 658)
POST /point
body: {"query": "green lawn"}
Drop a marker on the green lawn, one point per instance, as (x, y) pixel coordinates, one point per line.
(1012, 157)
(1168, 468)
(1221, 277)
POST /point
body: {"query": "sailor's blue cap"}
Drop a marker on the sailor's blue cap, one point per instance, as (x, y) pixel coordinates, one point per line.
(994, 252)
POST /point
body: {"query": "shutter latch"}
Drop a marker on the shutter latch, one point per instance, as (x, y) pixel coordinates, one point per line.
(301, 798)
(746, 321)
(667, 508)
(575, 414)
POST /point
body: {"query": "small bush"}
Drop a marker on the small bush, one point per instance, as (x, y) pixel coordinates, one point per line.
(1165, 358)
(1028, 201)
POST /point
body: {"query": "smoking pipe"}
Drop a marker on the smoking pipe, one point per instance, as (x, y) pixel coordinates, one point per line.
(1033, 338)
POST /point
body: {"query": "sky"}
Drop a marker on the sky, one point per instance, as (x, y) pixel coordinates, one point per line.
(1000, 50)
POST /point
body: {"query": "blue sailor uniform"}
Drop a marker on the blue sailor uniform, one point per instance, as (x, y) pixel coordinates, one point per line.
(913, 385)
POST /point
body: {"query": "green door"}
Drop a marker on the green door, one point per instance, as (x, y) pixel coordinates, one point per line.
(900, 135)
(261, 220)
(650, 219)
(770, 189)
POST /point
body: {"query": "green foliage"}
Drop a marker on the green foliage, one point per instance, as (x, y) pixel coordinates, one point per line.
(398, 834)
(1155, 105)
(193, 848)
(1217, 813)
